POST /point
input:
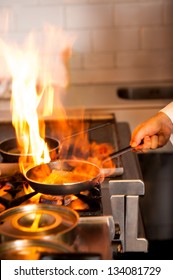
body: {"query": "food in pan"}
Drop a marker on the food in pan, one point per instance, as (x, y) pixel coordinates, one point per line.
(62, 177)
(63, 172)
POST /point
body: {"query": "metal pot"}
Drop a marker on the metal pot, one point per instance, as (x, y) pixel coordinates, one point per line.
(10, 152)
(31, 249)
(39, 221)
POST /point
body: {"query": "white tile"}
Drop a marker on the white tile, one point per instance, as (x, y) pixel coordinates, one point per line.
(126, 75)
(32, 18)
(116, 39)
(168, 12)
(7, 20)
(101, 60)
(157, 38)
(85, 16)
(83, 41)
(138, 14)
(75, 61)
(145, 58)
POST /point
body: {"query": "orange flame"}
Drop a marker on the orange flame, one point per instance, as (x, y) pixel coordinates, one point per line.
(33, 76)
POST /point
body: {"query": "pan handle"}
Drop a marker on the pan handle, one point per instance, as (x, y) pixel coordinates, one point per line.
(86, 131)
(118, 153)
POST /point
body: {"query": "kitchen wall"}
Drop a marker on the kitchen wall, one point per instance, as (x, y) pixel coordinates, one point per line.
(117, 41)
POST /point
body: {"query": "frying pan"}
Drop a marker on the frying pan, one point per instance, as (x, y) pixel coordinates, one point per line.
(10, 152)
(37, 176)
(88, 175)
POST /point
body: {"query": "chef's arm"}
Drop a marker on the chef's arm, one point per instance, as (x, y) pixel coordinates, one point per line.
(168, 110)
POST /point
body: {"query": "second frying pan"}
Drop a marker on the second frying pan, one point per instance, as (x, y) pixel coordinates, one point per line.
(10, 152)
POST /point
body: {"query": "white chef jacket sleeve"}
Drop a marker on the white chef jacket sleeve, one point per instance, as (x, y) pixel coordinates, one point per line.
(168, 110)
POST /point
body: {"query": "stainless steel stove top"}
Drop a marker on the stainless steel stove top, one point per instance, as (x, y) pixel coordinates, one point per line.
(100, 235)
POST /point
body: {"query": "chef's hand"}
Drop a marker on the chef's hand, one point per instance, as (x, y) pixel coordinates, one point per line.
(153, 133)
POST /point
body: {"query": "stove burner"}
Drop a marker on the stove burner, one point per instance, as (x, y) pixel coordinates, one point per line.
(85, 203)
(28, 249)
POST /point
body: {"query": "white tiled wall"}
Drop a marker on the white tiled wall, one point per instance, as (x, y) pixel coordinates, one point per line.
(117, 41)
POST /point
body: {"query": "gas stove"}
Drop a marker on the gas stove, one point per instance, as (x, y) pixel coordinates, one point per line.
(109, 220)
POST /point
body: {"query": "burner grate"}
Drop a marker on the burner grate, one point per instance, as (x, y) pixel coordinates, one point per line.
(87, 203)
